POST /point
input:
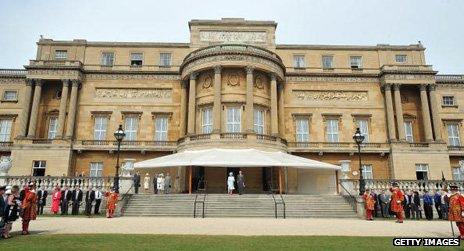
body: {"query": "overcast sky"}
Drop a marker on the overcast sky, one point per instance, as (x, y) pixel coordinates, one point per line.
(438, 24)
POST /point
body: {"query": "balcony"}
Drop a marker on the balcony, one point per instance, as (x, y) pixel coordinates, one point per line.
(136, 145)
(65, 64)
(456, 150)
(407, 69)
(337, 147)
(5, 146)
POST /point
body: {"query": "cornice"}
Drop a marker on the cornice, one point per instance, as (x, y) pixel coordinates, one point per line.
(412, 47)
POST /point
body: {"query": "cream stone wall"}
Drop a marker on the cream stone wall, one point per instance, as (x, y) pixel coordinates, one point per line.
(58, 160)
(13, 109)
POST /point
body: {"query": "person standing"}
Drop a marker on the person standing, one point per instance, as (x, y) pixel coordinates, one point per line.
(160, 183)
(167, 183)
(111, 203)
(2, 208)
(66, 197)
(41, 199)
(369, 204)
(76, 200)
(384, 201)
(396, 202)
(415, 205)
(437, 201)
(56, 199)
(29, 207)
(155, 185)
(89, 199)
(11, 210)
(428, 204)
(230, 183)
(444, 204)
(146, 182)
(407, 204)
(98, 199)
(240, 182)
(136, 180)
(456, 209)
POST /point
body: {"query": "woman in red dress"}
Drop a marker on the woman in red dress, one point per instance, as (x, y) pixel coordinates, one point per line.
(111, 203)
(56, 199)
(397, 202)
(29, 206)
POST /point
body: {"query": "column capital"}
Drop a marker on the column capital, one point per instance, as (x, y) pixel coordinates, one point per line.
(29, 82)
(272, 76)
(387, 87)
(249, 69)
(217, 69)
(65, 81)
(423, 87)
(432, 87)
(396, 87)
(38, 82)
(75, 83)
(193, 76)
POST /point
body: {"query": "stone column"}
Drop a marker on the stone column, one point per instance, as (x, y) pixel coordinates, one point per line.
(27, 105)
(62, 112)
(390, 114)
(435, 113)
(281, 110)
(426, 113)
(72, 110)
(183, 108)
(274, 119)
(192, 104)
(249, 119)
(399, 113)
(35, 108)
(217, 100)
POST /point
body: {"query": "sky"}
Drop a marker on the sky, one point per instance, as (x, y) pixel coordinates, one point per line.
(438, 24)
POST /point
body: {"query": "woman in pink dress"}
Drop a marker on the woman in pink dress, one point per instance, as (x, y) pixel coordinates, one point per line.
(56, 198)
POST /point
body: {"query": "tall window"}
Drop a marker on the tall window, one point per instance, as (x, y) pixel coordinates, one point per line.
(161, 128)
(298, 61)
(165, 59)
(207, 120)
(453, 134)
(448, 100)
(107, 59)
(401, 58)
(233, 119)
(367, 172)
(130, 127)
(61, 54)
(96, 169)
(356, 62)
(99, 128)
(5, 129)
(38, 167)
(10, 96)
(136, 59)
(259, 121)
(52, 127)
(422, 171)
(363, 125)
(327, 62)
(302, 129)
(332, 130)
(408, 131)
(458, 173)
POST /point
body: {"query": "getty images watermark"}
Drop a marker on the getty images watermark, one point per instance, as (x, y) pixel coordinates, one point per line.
(427, 242)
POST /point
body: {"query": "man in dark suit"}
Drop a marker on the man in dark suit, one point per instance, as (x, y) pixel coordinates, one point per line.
(89, 199)
(407, 204)
(76, 200)
(41, 199)
(98, 199)
(66, 196)
(136, 180)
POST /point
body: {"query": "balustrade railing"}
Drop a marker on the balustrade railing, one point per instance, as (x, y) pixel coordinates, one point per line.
(6, 143)
(418, 185)
(345, 145)
(449, 77)
(200, 137)
(127, 143)
(419, 144)
(456, 148)
(232, 48)
(235, 136)
(13, 72)
(42, 141)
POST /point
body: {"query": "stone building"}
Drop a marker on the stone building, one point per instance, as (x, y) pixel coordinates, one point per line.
(232, 86)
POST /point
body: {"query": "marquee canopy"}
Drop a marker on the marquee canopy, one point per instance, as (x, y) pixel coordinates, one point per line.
(218, 157)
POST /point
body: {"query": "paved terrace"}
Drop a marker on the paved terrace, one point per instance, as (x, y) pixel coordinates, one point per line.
(238, 226)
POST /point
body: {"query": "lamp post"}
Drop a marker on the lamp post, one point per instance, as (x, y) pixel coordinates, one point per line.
(359, 138)
(119, 135)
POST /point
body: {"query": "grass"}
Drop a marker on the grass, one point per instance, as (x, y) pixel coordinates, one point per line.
(196, 242)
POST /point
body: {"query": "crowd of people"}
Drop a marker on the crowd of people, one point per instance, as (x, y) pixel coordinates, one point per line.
(161, 184)
(412, 204)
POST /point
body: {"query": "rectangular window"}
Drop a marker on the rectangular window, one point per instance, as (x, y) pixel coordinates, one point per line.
(161, 128)
(332, 130)
(130, 127)
(107, 59)
(96, 169)
(10, 96)
(422, 171)
(136, 59)
(448, 100)
(367, 172)
(356, 62)
(298, 61)
(165, 59)
(363, 125)
(233, 119)
(38, 167)
(327, 62)
(458, 173)
(5, 129)
(408, 131)
(259, 121)
(453, 134)
(52, 127)
(207, 120)
(302, 129)
(401, 58)
(99, 127)
(61, 54)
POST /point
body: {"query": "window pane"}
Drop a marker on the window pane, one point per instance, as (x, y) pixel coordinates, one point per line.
(100, 127)
(299, 61)
(327, 62)
(356, 61)
(161, 128)
(259, 121)
(408, 131)
(10, 95)
(207, 120)
(332, 130)
(130, 127)
(96, 169)
(400, 58)
(61, 54)
(165, 59)
(107, 58)
(233, 120)
(367, 171)
(52, 127)
(364, 128)
(302, 129)
(453, 135)
(5, 129)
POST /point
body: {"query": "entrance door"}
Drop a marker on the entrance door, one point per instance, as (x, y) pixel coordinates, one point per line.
(267, 179)
(198, 178)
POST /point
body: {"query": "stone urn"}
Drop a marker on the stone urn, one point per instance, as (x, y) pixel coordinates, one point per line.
(127, 167)
(5, 165)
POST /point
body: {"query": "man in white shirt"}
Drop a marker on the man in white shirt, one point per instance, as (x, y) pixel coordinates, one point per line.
(98, 199)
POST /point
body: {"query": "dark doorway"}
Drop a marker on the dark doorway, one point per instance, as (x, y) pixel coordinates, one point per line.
(198, 178)
(235, 171)
(267, 179)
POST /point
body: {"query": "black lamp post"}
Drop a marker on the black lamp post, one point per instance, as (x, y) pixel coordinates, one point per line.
(359, 138)
(119, 135)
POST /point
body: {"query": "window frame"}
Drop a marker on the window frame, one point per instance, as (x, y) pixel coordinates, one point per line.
(161, 64)
(6, 136)
(366, 171)
(102, 57)
(330, 135)
(96, 172)
(5, 99)
(296, 63)
(405, 56)
(331, 62)
(361, 129)
(457, 171)
(100, 131)
(421, 167)
(131, 131)
(356, 67)
(131, 59)
(302, 134)
(231, 126)
(52, 132)
(455, 138)
(55, 55)
(207, 120)
(445, 104)
(259, 128)
(406, 135)
(161, 134)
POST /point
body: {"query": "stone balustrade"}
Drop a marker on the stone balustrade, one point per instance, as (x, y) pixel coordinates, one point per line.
(449, 78)
(55, 63)
(337, 146)
(13, 72)
(127, 145)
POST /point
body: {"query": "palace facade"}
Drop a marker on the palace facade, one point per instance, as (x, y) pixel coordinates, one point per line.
(232, 86)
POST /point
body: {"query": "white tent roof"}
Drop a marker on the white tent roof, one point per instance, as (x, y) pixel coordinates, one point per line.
(219, 157)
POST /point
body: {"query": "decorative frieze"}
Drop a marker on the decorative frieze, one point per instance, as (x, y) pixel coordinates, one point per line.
(233, 79)
(233, 36)
(321, 95)
(96, 76)
(132, 94)
(12, 80)
(409, 77)
(330, 79)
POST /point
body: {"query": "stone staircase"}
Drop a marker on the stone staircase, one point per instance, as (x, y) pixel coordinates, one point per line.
(247, 205)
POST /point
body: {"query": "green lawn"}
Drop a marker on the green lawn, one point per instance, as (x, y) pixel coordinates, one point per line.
(196, 242)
